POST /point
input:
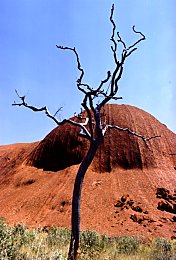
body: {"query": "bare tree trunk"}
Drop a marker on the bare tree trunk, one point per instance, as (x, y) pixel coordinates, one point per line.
(75, 233)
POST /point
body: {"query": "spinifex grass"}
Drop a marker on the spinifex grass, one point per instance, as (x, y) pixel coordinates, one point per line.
(19, 242)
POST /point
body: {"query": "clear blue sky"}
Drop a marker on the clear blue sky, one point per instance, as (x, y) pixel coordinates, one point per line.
(30, 62)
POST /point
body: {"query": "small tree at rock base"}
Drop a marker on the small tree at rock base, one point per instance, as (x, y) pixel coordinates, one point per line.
(92, 122)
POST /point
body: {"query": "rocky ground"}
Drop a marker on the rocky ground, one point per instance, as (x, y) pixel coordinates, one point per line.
(128, 190)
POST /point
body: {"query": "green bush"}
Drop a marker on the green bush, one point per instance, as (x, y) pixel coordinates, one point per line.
(89, 240)
(58, 236)
(9, 242)
(162, 250)
(127, 245)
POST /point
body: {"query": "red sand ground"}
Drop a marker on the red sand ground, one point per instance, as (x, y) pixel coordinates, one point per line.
(120, 194)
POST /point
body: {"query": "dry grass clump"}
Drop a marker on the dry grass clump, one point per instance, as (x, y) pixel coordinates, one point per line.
(19, 242)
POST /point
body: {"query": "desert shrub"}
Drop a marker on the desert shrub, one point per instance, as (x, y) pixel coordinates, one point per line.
(93, 245)
(9, 242)
(162, 250)
(89, 240)
(127, 245)
(58, 236)
(105, 242)
(46, 245)
(89, 248)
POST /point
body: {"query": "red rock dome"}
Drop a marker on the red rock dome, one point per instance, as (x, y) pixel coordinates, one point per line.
(63, 147)
(128, 189)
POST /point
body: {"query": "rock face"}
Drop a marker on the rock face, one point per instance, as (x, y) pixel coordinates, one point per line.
(128, 190)
(120, 149)
(58, 150)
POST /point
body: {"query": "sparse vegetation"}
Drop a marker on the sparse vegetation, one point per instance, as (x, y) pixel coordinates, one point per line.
(19, 242)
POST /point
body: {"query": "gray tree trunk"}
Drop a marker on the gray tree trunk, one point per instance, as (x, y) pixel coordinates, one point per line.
(75, 233)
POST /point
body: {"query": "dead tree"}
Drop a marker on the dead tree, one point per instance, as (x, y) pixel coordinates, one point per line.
(92, 126)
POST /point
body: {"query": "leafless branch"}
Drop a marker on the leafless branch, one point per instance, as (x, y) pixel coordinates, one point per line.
(118, 71)
(79, 80)
(59, 109)
(121, 41)
(77, 59)
(129, 131)
(138, 41)
(89, 114)
(45, 110)
(108, 94)
(111, 97)
(130, 52)
(104, 81)
(114, 49)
